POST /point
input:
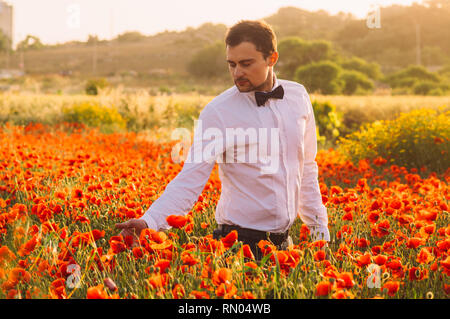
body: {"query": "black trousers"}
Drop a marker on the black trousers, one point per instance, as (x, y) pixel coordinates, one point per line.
(251, 238)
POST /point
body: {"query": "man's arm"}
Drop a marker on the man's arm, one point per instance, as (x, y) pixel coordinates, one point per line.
(182, 192)
(312, 211)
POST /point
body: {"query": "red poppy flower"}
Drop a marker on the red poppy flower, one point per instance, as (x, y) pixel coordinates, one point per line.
(319, 255)
(424, 256)
(162, 264)
(363, 260)
(222, 275)
(178, 291)
(176, 221)
(97, 292)
(345, 280)
(229, 240)
(117, 244)
(380, 260)
(392, 287)
(323, 288)
(247, 252)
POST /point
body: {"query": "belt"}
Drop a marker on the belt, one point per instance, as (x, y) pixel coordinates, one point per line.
(276, 238)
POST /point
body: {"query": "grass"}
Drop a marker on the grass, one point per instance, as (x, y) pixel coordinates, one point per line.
(145, 111)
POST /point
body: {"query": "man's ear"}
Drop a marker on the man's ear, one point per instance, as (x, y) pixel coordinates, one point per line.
(273, 58)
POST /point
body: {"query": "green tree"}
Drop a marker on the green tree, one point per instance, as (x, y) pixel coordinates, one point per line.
(209, 62)
(328, 121)
(408, 76)
(5, 42)
(93, 85)
(31, 42)
(131, 36)
(93, 39)
(295, 52)
(400, 26)
(445, 71)
(353, 80)
(372, 70)
(321, 77)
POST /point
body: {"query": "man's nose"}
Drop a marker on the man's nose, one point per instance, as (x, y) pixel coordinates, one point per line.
(238, 72)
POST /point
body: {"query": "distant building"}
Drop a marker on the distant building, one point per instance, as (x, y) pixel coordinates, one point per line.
(6, 20)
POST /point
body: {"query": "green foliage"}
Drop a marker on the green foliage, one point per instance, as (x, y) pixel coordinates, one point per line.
(292, 21)
(209, 62)
(371, 70)
(352, 120)
(93, 85)
(445, 71)
(5, 42)
(397, 36)
(328, 122)
(413, 140)
(354, 80)
(408, 76)
(31, 42)
(295, 52)
(131, 36)
(92, 39)
(424, 87)
(108, 119)
(163, 89)
(181, 115)
(320, 77)
(174, 50)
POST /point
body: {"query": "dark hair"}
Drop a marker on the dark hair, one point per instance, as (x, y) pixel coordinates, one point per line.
(257, 32)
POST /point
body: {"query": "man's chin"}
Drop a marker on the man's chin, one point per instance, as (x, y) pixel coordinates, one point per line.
(244, 89)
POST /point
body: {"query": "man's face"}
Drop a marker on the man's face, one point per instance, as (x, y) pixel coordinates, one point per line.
(248, 67)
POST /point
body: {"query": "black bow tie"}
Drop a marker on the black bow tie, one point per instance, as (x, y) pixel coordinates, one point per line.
(262, 97)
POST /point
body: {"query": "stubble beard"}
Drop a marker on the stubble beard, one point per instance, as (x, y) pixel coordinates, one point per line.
(253, 87)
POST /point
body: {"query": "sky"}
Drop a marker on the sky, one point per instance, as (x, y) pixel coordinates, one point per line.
(57, 21)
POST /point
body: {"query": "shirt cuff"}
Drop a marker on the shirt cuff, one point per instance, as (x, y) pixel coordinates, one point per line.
(150, 222)
(319, 233)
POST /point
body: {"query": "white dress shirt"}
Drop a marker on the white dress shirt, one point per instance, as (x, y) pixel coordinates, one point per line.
(265, 194)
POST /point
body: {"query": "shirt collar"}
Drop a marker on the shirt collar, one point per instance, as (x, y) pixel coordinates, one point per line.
(251, 94)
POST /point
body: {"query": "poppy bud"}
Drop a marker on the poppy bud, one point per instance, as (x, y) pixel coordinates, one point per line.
(110, 284)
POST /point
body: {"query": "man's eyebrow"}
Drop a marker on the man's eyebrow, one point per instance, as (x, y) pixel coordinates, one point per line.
(242, 61)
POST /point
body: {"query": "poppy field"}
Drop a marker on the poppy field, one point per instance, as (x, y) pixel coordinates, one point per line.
(63, 188)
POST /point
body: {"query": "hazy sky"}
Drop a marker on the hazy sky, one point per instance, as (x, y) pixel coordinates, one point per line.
(64, 20)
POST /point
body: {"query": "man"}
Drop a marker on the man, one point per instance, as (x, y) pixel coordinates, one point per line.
(260, 197)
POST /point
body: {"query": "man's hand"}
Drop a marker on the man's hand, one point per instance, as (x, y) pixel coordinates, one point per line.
(132, 227)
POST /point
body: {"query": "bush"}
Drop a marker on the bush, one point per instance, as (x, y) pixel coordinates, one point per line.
(424, 87)
(354, 80)
(179, 114)
(408, 76)
(327, 120)
(297, 52)
(93, 115)
(436, 92)
(93, 85)
(209, 62)
(352, 120)
(413, 140)
(371, 70)
(319, 77)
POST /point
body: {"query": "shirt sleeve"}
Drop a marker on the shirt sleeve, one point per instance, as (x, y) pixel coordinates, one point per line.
(182, 192)
(312, 211)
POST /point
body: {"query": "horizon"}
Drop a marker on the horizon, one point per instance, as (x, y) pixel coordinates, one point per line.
(70, 20)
